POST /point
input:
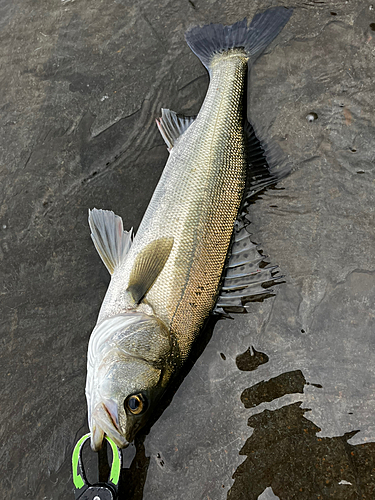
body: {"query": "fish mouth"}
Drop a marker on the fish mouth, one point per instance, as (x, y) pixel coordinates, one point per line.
(105, 422)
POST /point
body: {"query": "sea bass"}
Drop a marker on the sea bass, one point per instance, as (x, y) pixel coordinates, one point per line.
(166, 280)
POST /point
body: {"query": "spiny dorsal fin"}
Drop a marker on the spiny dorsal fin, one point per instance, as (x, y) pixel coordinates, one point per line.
(244, 277)
(147, 267)
(172, 126)
(109, 237)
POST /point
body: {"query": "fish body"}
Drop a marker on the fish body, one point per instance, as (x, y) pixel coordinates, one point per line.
(195, 204)
(165, 282)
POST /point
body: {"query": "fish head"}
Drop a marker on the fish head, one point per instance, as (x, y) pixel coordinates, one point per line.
(127, 373)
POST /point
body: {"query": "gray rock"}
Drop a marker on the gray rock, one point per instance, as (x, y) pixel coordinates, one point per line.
(268, 494)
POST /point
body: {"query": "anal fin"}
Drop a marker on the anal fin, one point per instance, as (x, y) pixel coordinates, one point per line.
(172, 126)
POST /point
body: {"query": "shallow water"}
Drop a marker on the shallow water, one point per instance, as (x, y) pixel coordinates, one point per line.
(281, 402)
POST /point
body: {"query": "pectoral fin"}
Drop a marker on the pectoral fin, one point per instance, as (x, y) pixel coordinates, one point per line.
(109, 237)
(147, 267)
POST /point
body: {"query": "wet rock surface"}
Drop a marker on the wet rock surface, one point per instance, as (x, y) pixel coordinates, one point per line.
(281, 402)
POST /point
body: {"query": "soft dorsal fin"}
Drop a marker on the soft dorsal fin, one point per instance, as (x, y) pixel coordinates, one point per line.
(266, 161)
(109, 237)
(147, 267)
(172, 126)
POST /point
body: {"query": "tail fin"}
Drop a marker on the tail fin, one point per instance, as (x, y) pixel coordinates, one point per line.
(212, 39)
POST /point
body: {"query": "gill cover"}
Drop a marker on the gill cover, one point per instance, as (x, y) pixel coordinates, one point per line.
(128, 356)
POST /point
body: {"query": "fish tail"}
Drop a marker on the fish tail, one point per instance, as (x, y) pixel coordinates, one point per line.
(206, 41)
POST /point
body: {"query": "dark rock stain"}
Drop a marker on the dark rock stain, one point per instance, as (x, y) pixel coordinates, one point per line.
(251, 359)
(132, 480)
(286, 383)
(285, 453)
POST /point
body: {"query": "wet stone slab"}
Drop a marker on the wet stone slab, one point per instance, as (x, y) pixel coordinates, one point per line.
(280, 403)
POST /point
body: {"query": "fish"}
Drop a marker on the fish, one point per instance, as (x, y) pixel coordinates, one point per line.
(189, 257)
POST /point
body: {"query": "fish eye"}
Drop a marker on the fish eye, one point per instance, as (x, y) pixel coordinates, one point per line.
(136, 404)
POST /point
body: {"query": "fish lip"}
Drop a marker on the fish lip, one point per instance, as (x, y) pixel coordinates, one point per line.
(117, 437)
(112, 415)
(105, 423)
